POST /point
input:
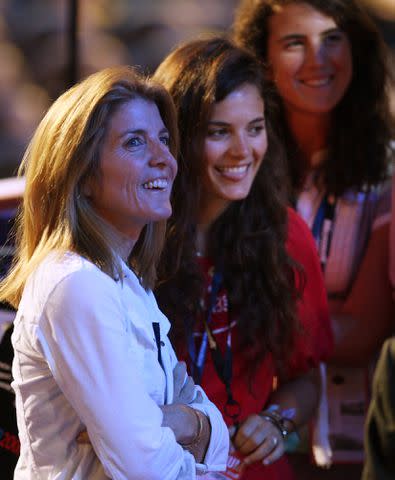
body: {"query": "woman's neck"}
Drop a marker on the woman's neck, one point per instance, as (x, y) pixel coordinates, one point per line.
(123, 244)
(310, 132)
(201, 240)
(211, 207)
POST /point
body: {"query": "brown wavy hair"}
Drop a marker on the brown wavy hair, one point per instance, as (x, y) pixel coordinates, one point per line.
(248, 238)
(362, 127)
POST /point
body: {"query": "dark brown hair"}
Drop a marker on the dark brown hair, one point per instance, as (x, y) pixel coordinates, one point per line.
(248, 239)
(361, 127)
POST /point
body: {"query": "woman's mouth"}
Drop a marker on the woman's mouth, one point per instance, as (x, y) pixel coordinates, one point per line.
(156, 184)
(234, 172)
(318, 82)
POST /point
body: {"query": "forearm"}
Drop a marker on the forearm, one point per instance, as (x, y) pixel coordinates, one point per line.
(191, 428)
(299, 396)
(199, 445)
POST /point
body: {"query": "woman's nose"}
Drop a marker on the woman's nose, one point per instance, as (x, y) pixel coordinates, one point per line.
(240, 146)
(316, 54)
(161, 155)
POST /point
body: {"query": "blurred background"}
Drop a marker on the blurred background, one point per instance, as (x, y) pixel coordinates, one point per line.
(36, 49)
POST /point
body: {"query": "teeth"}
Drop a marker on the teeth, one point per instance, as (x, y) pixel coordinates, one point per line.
(317, 83)
(159, 183)
(240, 169)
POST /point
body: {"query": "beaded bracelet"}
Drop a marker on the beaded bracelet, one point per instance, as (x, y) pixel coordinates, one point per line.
(278, 421)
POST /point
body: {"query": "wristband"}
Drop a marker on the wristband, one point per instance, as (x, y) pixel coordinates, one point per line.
(278, 421)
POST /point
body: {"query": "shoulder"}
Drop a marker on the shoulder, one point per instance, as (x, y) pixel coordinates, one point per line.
(374, 204)
(70, 275)
(59, 266)
(296, 224)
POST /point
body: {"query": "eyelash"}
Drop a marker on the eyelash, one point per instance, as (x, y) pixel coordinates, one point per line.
(134, 142)
(257, 129)
(330, 38)
(217, 133)
(293, 43)
(254, 130)
(334, 38)
(165, 140)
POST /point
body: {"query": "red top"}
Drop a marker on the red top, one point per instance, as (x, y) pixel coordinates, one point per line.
(314, 346)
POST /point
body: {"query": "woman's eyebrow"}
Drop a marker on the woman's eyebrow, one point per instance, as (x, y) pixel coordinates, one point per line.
(300, 36)
(219, 123)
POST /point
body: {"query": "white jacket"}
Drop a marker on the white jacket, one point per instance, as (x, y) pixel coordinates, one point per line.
(86, 357)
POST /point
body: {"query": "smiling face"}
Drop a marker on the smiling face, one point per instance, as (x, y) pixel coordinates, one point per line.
(136, 169)
(234, 148)
(310, 58)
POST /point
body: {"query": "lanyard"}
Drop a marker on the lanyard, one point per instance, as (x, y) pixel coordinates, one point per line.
(222, 362)
(322, 228)
(159, 343)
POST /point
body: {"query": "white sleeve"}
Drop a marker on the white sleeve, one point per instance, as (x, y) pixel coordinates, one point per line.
(95, 362)
(218, 448)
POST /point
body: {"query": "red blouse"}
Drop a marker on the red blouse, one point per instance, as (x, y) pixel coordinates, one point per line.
(314, 346)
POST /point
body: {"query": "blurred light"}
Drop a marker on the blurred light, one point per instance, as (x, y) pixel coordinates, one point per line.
(384, 9)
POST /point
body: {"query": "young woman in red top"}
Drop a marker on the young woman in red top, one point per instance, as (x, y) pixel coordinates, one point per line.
(240, 277)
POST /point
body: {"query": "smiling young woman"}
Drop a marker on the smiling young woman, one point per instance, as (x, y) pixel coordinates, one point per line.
(310, 60)
(234, 148)
(328, 67)
(240, 276)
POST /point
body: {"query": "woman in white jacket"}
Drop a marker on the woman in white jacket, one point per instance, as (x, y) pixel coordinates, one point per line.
(91, 346)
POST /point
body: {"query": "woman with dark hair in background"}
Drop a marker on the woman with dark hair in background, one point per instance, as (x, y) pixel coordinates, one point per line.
(239, 275)
(91, 346)
(327, 64)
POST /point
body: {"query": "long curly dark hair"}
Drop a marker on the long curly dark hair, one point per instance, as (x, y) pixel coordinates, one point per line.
(361, 126)
(248, 238)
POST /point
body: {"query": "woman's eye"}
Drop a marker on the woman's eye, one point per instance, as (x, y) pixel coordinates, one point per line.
(334, 38)
(217, 133)
(133, 142)
(165, 139)
(255, 130)
(294, 43)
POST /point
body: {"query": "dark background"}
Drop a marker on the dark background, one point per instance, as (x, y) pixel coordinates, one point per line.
(35, 49)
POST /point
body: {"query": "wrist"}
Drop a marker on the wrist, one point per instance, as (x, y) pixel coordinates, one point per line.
(284, 424)
(194, 438)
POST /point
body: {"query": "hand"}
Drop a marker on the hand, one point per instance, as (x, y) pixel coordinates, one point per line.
(189, 432)
(184, 386)
(184, 393)
(259, 440)
(181, 419)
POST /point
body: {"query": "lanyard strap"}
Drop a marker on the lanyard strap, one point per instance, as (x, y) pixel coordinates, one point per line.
(223, 367)
(198, 359)
(159, 343)
(322, 228)
(222, 362)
